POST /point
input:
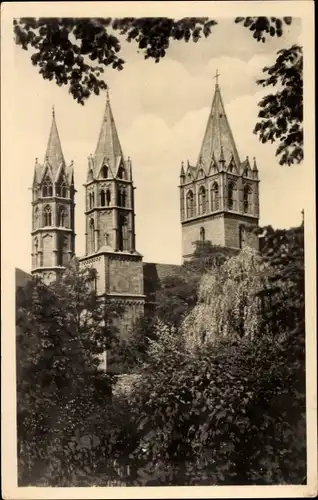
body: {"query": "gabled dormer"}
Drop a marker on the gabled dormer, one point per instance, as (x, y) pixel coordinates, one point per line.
(232, 167)
(213, 168)
(190, 174)
(121, 171)
(246, 170)
(105, 171)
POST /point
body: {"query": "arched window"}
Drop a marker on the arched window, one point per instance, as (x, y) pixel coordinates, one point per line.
(47, 216)
(108, 197)
(61, 189)
(121, 173)
(215, 197)
(93, 199)
(47, 188)
(121, 197)
(61, 217)
(92, 234)
(230, 169)
(231, 196)
(123, 242)
(102, 198)
(190, 204)
(202, 234)
(202, 200)
(36, 218)
(247, 199)
(104, 172)
(245, 173)
(64, 190)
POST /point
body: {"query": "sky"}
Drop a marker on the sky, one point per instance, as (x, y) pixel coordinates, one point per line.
(161, 112)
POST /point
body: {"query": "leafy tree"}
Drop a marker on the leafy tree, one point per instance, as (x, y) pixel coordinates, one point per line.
(262, 27)
(227, 300)
(282, 113)
(229, 412)
(61, 331)
(284, 251)
(75, 51)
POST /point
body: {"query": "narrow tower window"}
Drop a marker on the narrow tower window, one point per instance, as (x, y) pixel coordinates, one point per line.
(90, 199)
(123, 242)
(190, 204)
(202, 200)
(61, 190)
(102, 198)
(121, 198)
(47, 216)
(92, 235)
(202, 234)
(108, 197)
(47, 188)
(215, 197)
(121, 173)
(246, 199)
(104, 172)
(230, 196)
(61, 217)
(64, 190)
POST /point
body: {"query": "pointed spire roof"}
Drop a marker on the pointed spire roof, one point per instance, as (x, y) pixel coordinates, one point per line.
(54, 153)
(218, 139)
(108, 146)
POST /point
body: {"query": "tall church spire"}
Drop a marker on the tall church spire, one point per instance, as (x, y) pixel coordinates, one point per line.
(108, 147)
(54, 153)
(218, 135)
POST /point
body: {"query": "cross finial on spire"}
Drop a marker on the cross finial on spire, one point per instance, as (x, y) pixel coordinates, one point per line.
(107, 94)
(217, 74)
(53, 111)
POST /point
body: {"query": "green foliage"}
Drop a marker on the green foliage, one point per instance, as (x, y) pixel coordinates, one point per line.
(231, 411)
(282, 113)
(75, 51)
(61, 330)
(262, 27)
(227, 300)
(284, 307)
(225, 413)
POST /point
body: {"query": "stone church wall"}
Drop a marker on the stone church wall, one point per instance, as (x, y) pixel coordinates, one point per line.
(125, 275)
(214, 232)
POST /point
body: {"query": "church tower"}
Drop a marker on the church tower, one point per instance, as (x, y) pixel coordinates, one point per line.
(110, 223)
(53, 232)
(219, 196)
